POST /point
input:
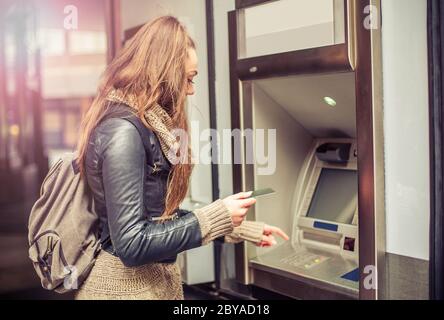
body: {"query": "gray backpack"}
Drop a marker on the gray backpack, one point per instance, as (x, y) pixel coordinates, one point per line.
(63, 233)
(63, 228)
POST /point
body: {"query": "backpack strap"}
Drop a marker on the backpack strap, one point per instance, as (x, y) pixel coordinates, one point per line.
(125, 112)
(121, 110)
(145, 134)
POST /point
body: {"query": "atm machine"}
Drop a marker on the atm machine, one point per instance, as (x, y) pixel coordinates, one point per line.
(323, 249)
(315, 93)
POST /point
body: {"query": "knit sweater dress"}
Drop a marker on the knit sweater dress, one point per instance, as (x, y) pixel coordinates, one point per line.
(110, 279)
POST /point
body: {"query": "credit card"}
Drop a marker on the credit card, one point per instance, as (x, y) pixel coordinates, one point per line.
(262, 192)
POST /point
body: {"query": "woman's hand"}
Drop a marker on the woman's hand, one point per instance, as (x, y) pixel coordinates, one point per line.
(268, 239)
(238, 205)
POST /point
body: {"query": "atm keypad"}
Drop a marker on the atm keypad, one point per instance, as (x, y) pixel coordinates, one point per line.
(304, 260)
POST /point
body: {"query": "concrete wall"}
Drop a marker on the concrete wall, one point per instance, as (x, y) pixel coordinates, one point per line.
(404, 37)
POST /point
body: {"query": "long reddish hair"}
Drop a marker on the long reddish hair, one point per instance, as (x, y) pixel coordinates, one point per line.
(151, 69)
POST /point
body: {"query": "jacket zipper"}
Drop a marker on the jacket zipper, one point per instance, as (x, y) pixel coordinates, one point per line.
(155, 168)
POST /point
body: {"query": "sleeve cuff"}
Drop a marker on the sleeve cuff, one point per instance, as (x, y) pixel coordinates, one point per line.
(249, 230)
(214, 220)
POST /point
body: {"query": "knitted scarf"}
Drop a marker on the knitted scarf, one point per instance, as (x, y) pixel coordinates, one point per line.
(159, 120)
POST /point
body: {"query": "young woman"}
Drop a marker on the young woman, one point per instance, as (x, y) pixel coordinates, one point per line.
(137, 191)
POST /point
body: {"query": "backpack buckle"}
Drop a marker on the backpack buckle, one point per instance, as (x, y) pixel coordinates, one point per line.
(156, 167)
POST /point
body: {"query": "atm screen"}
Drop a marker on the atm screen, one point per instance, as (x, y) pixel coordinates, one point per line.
(335, 197)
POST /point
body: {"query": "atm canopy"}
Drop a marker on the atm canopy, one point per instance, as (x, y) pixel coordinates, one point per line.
(303, 98)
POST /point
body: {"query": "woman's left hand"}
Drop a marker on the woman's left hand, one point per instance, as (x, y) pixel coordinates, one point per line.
(268, 239)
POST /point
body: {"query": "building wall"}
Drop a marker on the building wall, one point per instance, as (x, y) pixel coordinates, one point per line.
(404, 40)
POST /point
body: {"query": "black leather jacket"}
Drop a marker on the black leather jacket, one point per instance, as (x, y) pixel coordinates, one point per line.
(128, 191)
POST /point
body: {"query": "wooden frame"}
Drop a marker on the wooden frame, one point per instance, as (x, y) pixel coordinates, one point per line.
(320, 60)
(113, 27)
(368, 251)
